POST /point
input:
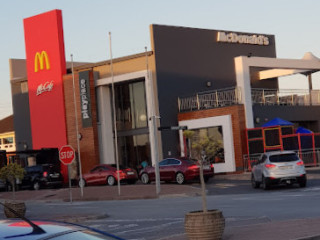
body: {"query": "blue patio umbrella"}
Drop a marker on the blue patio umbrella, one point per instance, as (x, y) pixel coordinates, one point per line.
(303, 130)
(277, 122)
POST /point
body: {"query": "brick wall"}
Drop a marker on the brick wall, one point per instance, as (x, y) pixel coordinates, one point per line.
(89, 144)
(238, 127)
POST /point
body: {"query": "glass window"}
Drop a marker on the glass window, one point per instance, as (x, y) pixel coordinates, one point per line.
(164, 162)
(7, 140)
(174, 162)
(263, 159)
(95, 169)
(133, 150)
(139, 106)
(130, 104)
(215, 134)
(284, 158)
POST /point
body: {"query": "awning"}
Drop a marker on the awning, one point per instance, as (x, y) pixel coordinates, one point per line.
(277, 122)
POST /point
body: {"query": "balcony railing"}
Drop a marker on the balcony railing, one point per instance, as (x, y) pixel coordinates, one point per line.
(212, 99)
(285, 97)
(231, 96)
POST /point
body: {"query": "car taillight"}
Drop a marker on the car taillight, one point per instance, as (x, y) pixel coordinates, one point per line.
(193, 167)
(45, 174)
(121, 173)
(270, 165)
(300, 163)
(212, 166)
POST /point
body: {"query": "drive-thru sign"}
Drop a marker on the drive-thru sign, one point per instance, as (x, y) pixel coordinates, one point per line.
(66, 154)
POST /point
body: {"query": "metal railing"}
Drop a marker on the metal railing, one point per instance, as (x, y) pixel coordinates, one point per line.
(231, 96)
(213, 99)
(311, 158)
(285, 97)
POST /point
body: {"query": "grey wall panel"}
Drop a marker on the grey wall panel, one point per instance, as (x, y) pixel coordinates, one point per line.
(309, 115)
(21, 120)
(188, 58)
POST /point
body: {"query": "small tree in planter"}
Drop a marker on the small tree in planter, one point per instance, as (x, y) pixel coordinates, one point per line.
(11, 173)
(203, 224)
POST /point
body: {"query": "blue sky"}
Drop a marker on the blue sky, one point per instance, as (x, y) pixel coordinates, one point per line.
(294, 23)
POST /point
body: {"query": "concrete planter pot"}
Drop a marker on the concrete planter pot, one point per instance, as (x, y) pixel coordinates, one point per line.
(201, 225)
(17, 206)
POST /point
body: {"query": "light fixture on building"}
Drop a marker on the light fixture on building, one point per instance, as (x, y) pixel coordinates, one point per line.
(208, 84)
(143, 117)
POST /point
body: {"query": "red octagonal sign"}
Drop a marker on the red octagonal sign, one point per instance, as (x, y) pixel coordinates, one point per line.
(66, 154)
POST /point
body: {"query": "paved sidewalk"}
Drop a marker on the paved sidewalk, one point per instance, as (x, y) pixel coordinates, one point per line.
(101, 193)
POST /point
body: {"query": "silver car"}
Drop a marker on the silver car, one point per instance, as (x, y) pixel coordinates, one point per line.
(278, 167)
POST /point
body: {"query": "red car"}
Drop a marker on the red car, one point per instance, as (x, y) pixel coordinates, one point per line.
(177, 170)
(107, 174)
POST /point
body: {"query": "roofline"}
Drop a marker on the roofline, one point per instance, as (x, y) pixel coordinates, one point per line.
(115, 60)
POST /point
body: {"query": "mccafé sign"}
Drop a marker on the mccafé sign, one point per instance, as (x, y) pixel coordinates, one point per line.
(46, 87)
(242, 38)
(40, 60)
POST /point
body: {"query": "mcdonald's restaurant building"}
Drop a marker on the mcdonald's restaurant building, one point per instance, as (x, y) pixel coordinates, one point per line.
(199, 78)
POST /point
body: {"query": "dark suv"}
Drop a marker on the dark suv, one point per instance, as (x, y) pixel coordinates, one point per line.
(41, 176)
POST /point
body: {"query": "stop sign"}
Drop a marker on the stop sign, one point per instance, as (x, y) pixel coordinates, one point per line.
(66, 154)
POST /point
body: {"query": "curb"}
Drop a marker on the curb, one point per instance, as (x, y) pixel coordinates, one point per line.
(314, 237)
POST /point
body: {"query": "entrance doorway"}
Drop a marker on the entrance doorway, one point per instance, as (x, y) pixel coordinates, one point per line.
(132, 123)
(133, 150)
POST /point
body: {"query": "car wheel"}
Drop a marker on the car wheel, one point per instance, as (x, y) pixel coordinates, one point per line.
(36, 185)
(303, 182)
(145, 178)
(254, 183)
(265, 183)
(180, 178)
(111, 180)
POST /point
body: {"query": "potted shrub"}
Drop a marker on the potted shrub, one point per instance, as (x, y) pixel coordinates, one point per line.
(203, 224)
(11, 174)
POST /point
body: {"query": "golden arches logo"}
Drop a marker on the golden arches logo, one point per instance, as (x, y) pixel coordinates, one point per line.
(40, 59)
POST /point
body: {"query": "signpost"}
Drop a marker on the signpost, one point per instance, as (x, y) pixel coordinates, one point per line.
(66, 156)
(170, 128)
(173, 128)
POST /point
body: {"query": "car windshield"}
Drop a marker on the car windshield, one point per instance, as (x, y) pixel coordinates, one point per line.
(120, 166)
(50, 168)
(191, 161)
(33, 169)
(284, 158)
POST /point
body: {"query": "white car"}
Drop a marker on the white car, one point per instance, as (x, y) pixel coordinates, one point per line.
(278, 167)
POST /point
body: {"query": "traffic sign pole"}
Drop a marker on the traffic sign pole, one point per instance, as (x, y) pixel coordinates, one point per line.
(77, 128)
(66, 156)
(70, 190)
